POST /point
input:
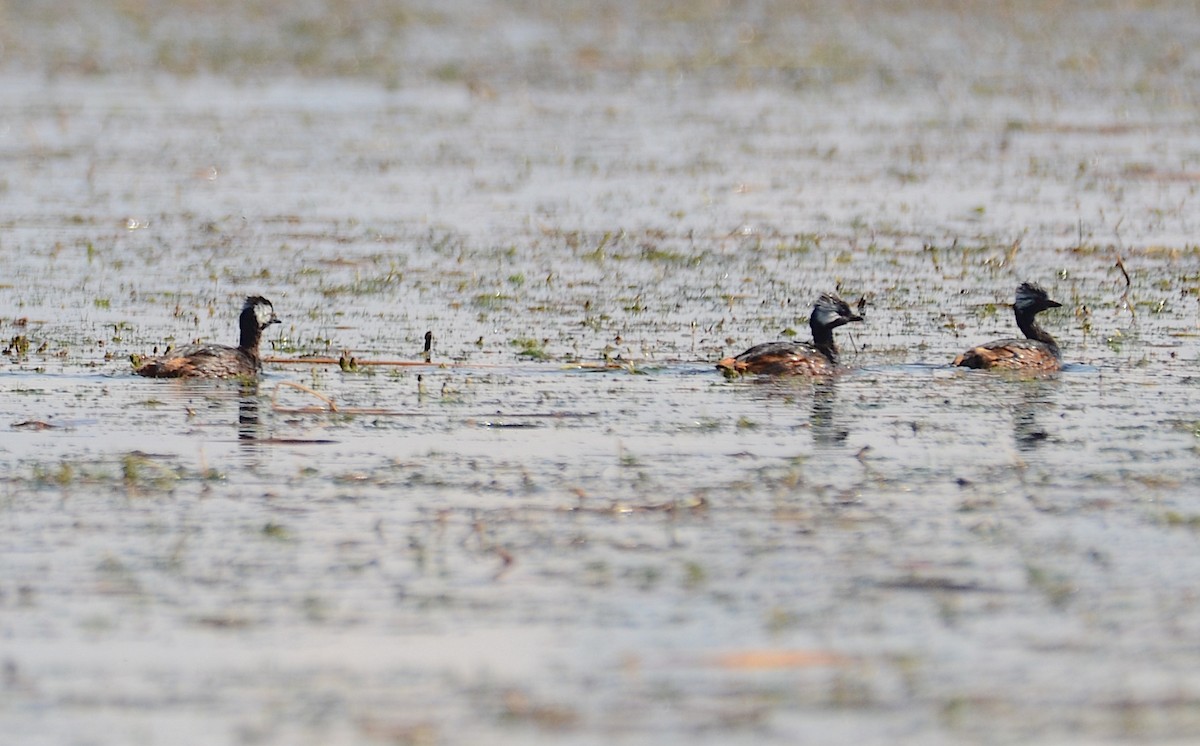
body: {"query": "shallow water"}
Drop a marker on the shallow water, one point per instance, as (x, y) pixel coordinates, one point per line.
(570, 528)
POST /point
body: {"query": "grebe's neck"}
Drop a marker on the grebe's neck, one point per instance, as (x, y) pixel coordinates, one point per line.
(1027, 323)
(251, 333)
(823, 341)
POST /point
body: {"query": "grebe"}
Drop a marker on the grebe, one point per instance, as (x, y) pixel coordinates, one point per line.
(817, 358)
(1038, 352)
(218, 361)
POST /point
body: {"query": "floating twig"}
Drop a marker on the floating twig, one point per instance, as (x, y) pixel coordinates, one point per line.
(768, 659)
(305, 389)
(341, 361)
(344, 361)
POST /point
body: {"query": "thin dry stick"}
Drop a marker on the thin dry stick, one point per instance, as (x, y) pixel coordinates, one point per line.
(300, 387)
(348, 410)
(419, 364)
(336, 361)
(1120, 264)
(1124, 273)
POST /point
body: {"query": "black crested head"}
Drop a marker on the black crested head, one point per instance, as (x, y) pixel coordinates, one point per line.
(1030, 301)
(830, 312)
(1032, 298)
(257, 314)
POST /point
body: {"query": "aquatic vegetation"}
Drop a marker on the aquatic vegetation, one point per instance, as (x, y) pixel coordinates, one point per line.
(620, 544)
(275, 531)
(18, 346)
(534, 349)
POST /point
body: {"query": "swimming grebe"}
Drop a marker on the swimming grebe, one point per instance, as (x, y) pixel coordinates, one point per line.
(1038, 352)
(801, 358)
(218, 361)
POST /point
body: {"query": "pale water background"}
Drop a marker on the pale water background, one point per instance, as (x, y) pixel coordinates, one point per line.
(527, 545)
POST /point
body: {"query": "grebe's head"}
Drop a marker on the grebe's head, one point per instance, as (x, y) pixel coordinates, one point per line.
(1032, 298)
(261, 310)
(830, 312)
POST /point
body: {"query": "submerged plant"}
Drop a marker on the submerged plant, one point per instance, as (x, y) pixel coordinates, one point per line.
(531, 348)
(18, 346)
